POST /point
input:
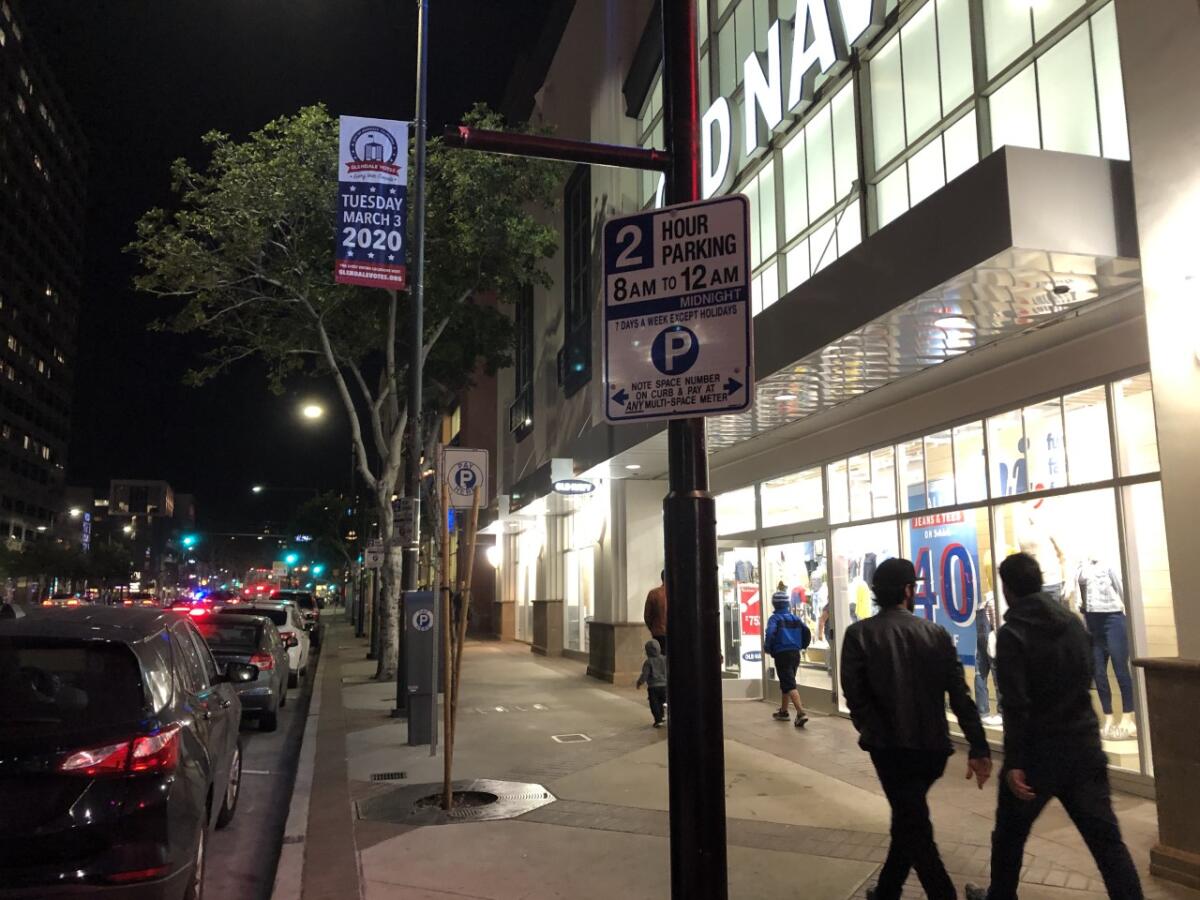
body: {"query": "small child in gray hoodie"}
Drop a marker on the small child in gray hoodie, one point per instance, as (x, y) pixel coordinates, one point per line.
(654, 676)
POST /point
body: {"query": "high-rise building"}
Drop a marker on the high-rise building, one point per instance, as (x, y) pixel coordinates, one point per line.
(41, 238)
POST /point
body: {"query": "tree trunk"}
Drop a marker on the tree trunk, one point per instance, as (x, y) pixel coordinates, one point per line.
(390, 593)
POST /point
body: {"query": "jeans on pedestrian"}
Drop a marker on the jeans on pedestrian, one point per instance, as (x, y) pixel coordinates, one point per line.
(983, 668)
(906, 777)
(1084, 793)
(658, 699)
(1110, 640)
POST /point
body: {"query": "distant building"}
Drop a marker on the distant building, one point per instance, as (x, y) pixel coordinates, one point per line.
(41, 239)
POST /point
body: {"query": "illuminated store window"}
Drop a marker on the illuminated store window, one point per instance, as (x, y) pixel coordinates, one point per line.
(1012, 28)
(883, 482)
(939, 469)
(1044, 452)
(799, 569)
(912, 475)
(860, 486)
(1149, 574)
(1069, 98)
(1089, 450)
(735, 511)
(792, 498)
(970, 464)
(837, 476)
(742, 613)
(1137, 440)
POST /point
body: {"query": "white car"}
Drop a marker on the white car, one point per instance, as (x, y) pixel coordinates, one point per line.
(290, 623)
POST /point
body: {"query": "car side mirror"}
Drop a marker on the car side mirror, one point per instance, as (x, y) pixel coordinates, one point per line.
(240, 673)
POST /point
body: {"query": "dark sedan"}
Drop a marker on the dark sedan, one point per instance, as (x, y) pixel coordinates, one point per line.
(119, 750)
(238, 637)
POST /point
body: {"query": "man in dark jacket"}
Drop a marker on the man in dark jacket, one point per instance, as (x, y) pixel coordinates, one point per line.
(897, 669)
(1051, 736)
(785, 638)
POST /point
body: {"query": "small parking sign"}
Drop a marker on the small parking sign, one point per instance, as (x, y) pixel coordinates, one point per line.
(463, 471)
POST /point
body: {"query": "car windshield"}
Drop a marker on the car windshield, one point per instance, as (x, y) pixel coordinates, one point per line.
(228, 635)
(55, 686)
(304, 601)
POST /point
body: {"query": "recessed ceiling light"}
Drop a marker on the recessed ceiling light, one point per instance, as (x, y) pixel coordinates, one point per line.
(633, 467)
(956, 322)
(785, 396)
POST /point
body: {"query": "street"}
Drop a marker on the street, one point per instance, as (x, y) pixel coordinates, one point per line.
(242, 857)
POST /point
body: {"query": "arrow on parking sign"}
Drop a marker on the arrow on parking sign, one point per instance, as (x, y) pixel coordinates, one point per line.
(620, 396)
(731, 386)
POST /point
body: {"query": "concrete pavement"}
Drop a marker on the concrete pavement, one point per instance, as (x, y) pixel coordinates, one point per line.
(806, 815)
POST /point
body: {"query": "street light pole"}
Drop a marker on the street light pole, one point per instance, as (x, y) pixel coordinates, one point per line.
(412, 456)
(695, 742)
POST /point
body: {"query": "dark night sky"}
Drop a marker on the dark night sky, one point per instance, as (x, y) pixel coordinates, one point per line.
(146, 78)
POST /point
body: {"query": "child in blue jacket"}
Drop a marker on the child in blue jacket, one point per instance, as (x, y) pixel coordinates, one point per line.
(786, 636)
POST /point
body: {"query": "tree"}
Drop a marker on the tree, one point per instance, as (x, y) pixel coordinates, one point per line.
(249, 249)
(326, 519)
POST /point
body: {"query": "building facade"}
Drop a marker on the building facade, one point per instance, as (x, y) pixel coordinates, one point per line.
(953, 306)
(41, 238)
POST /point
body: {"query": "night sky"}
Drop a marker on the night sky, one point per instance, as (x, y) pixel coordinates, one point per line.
(146, 78)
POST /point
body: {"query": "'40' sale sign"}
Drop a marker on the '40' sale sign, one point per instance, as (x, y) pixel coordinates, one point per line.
(946, 556)
(372, 203)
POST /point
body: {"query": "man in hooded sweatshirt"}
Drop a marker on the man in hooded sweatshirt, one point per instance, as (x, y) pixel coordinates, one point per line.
(785, 638)
(1051, 736)
(654, 676)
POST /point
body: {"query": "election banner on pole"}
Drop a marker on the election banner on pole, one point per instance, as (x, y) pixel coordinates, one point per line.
(678, 325)
(372, 203)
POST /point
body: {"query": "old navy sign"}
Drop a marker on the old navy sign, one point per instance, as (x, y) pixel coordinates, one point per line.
(780, 83)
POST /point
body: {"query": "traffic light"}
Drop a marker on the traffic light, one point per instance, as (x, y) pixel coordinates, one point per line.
(318, 568)
(190, 540)
(292, 558)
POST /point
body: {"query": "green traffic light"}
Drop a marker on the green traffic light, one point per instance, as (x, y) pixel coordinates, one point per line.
(190, 540)
(292, 558)
(318, 568)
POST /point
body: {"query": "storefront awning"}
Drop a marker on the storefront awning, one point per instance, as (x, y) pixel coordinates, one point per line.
(1022, 239)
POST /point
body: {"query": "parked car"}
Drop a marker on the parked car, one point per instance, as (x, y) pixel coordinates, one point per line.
(287, 620)
(310, 609)
(64, 600)
(139, 598)
(119, 752)
(244, 638)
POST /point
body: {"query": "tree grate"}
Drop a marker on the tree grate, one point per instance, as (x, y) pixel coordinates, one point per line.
(389, 776)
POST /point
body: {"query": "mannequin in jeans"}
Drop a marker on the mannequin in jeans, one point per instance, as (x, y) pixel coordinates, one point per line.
(1102, 596)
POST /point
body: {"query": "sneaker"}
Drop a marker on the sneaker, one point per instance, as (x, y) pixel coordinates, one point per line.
(801, 720)
(975, 892)
(870, 893)
(993, 721)
(658, 724)
(781, 715)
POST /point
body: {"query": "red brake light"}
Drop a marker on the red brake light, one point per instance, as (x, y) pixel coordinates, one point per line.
(47, 603)
(289, 638)
(144, 753)
(197, 611)
(156, 752)
(109, 759)
(263, 660)
(137, 875)
(127, 603)
(72, 602)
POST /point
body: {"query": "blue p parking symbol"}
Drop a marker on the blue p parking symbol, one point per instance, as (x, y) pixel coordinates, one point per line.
(675, 350)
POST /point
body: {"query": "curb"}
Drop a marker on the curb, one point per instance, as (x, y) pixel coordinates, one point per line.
(289, 871)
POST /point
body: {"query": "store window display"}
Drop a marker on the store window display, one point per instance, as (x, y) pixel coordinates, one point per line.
(1075, 536)
(741, 612)
(856, 552)
(798, 570)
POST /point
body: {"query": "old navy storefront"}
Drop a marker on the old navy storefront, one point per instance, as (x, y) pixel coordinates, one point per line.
(950, 345)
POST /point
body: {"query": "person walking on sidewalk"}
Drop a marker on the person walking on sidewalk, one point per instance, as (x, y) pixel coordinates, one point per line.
(654, 676)
(656, 612)
(1051, 736)
(785, 637)
(897, 669)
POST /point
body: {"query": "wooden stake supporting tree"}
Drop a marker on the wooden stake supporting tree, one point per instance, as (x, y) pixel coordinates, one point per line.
(464, 585)
(447, 757)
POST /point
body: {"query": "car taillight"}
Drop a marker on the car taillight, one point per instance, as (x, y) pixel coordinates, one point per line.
(144, 753)
(156, 752)
(127, 603)
(289, 639)
(72, 602)
(147, 603)
(197, 611)
(263, 660)
(137, 875)
(47, 603)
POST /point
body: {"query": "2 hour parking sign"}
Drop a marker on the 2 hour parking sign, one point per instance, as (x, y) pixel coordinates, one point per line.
(677, 318)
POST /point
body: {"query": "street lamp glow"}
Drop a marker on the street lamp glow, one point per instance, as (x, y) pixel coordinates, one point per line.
(128, 529)
(312, 411)
(75, 512)
(256, 489)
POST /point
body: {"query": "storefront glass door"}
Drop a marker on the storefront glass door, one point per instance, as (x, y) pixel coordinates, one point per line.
(798, 568)
(742, 617)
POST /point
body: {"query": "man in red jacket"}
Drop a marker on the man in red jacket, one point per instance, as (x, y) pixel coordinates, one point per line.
(656, 612)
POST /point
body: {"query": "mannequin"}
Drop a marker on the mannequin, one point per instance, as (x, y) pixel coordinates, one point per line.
(1037, 541)
(1102, 595)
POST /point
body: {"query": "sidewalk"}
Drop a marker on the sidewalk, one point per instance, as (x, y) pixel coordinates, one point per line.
(806, 815)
